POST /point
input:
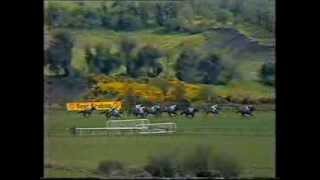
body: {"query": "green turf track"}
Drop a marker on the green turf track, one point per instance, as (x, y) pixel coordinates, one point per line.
(251, 142)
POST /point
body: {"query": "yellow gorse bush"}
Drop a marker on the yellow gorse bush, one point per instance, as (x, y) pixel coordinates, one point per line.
(125, 87)
(150, 92)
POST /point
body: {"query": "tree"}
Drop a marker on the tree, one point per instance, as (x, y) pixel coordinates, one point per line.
(185, 66)
(223, 16)
(267, 73)
(128, 22)
(198, 67)
(146, 63)
(100, 60)
(58, 54)
(127, 45)
(165, 11)
(185, 16)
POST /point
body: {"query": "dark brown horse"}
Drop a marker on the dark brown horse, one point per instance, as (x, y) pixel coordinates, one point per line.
(190, 111)
(87, 112)
(247, 111)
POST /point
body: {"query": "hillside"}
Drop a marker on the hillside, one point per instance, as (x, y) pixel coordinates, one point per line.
(242, 47)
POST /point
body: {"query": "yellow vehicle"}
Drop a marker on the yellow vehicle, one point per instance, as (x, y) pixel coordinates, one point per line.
(97, 105)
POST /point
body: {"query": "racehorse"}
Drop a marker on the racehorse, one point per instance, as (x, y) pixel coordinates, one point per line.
(140, 111)
(113, 113)
(153, 110)
(247, 111)
(171, 110)
(87, 112)
(213, 109)
(190, 111)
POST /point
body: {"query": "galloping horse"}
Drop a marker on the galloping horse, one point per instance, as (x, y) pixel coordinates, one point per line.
(113, 113)
(87, 112)
(214, 109)
(153, 110)
(247, 111)
(171, 110)
(190, 111)
(140, 111)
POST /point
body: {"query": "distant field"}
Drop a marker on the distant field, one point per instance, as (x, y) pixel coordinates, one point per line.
(252, 142)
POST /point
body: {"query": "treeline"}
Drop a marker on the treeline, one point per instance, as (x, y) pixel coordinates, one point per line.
(186, 16)
(135, 60)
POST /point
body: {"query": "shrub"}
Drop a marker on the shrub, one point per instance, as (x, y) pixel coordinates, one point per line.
(110, 167)
(197, 163)
(162, 84)
(207, 94)
(138, 172)
(162, 165)
(179, 91)
(202, 163)
(265, 100)
(267, 73)
(226, 166)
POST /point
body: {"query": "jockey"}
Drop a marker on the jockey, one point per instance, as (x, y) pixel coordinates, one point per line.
(190, 109)
(138, 106)
(114, 112)
(214, 108)
(141, 109)
(154, 108)
(173, 107)
(247, 107)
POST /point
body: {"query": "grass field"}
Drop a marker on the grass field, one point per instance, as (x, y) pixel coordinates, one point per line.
(251, 142)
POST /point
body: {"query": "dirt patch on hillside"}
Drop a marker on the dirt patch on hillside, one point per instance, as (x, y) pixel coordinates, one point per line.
(238, 43)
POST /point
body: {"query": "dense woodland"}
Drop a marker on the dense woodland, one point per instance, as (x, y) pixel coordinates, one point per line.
(186, 16)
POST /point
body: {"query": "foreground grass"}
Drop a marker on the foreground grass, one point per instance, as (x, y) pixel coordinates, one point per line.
(250, 141)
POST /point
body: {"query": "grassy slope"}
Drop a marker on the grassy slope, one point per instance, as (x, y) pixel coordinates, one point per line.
(170, 43)
(253, 32)
(251, 142)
